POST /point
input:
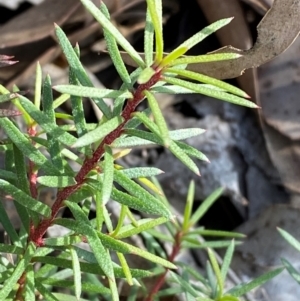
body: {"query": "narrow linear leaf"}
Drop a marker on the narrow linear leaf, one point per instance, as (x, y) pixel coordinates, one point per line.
(139, 172)
(91, 92)
(183, 157)
(205, 32)
(24, 199)
(114, 52)
(202, 209)
(122, 247)
(11, 249)
(290, 239)
(191, 151)
(209, 80)
(205, 58)
(203, 232)
(125, 268)
(143, 225)
(148, 39)
(184, 284)
(10, 283)
(21, 170)
(100, 17)
(226, 261)
(53, 147)
(172, 56)
(77, 107)
(171, 89)
(82, 226)
(217, 271)
(154, 8)
(86, 286)
(7, 225)
(108, 175)
(211, 92)
(45, 292)
(77, 67)
(25, 146)
(188, 206)
(76, 273)
(46, 123)
(159, 118)
(292, 271)
(139, 192)
(237, 292)
(30, 284)
(98, 133)
(38, 86)
(92, 268)
(56, 181)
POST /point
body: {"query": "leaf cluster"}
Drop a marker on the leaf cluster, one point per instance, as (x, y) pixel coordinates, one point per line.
(34, 265)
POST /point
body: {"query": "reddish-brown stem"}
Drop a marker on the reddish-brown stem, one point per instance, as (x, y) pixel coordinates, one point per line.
(36, 234)
(161, 280)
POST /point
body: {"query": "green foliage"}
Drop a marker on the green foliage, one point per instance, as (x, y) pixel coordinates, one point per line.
(35, 267)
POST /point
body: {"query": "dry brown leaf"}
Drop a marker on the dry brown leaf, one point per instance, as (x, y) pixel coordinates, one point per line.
(261, 6)
(276, 32)
(37, 22)
(236, 33)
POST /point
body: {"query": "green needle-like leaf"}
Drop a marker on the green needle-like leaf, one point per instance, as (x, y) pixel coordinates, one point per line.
(136, 190)
(76, 272)
(204, 58)
(227, 261)
(159, 118)
(10, 283)
(141, 172)
(82, 226)
(293, 272)
(101, 18)
(98, 133)
(143, 225)
(189, 206)
(108, 175)
(217, 271)
(125, 248)
(155, 10)
(38, 86)
(183, 157)
(125, 268)
(211, 92)
(207, 203)
(290, 239)
(114, 52)
(91, 92)
(26, 147)
(53, 147)
(30, 284)
(56, 181)
(209, 80)
(8, 226)
(245, 288)
(77, 67)
(24, 199)
(204, 33)
(148, 40)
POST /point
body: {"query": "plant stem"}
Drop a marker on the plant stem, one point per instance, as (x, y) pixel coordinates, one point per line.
(36, 234)
(161, 280)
